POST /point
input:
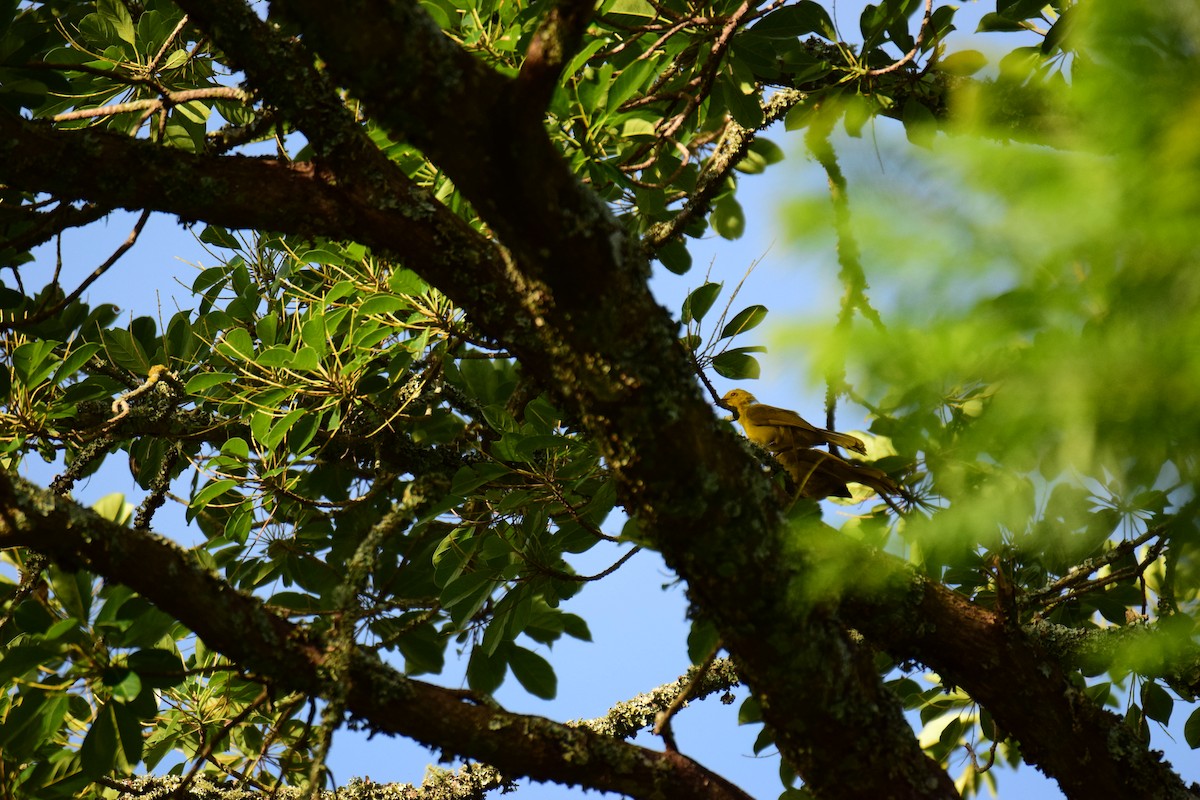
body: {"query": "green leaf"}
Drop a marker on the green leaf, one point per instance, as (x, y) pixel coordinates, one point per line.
(305, 359)
(799, 116)
(997, 23)
(133, 622)
(21, 659)
(871, 23)
(280, 429)
(424, 650)
(737, 365)
(485, 673)
(468, 479)
(675, 257)
(963, 62)
(744, 108)
(176, 59)
(1020, 63)
(464, 595)
(158, 668)
(312, 332)
(199, 384)
(641, 9)
(260, 426)
(74, 591)
(1156, 702)
(117, 15)
(32, 721)
(211, 492)
(1058, 33)
(405, 281)
(631, 81)
(702, 638)
(114, 508)
(275, 357)
(791, 22)
(750, 711)
(34, 361)
(75, 361)
(920, 126)
(298, 601)
(180, 341)
(636, 125)
(1191, 730)
(699, 301)
(541, 413)
(859, 111)
(219, 236)
(728, 219)
(576, 627)
(126, 684)
(593, 92)
(1021, 9)
(382, 304)
(770, 152)
(745, 319)
(113, 742)
(236, 345)
(941, 23)
(533, 672)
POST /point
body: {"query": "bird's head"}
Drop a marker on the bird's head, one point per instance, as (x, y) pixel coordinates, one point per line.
(737, 400)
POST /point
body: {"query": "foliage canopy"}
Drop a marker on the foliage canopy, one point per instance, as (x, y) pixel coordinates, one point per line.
(428, 372)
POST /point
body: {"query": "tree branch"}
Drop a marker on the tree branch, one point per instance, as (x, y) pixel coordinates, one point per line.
(241, 628)
(1088, 750)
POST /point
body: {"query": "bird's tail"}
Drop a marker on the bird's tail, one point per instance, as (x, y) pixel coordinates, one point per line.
(845, 440)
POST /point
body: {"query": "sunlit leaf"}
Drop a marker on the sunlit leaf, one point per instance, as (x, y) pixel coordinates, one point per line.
(744, 320)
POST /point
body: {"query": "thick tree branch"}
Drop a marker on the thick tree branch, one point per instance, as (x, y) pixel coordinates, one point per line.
(400, 219)
(240, 627)
(1088, 750)
(475, 127)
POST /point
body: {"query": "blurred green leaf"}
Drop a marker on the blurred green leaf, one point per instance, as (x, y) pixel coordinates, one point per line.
(963, 62)
(728, 219)
(920, 126)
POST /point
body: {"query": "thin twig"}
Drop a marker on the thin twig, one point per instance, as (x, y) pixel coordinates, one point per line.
(911, 54)
(154, 104)
(662, 721)
(47, 313)
(162, 51)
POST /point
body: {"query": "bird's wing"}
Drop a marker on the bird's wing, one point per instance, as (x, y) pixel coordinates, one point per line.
(777, 417)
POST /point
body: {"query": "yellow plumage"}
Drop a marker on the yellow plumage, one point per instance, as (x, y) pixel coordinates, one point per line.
(779, 429)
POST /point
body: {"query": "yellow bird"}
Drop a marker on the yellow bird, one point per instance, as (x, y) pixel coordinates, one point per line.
(819, 474)
(778, 429)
